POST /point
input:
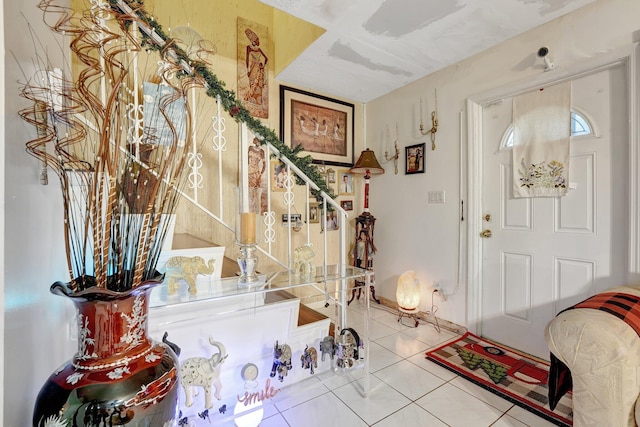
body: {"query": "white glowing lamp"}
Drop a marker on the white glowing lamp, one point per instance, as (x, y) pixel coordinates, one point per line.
(248, 415)
(408, 292)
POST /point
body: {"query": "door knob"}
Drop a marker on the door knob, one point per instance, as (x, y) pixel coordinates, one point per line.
(485, 233)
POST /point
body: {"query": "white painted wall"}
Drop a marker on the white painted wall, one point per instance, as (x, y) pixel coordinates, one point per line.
(410, 232)
(36, 322)
(2, 126)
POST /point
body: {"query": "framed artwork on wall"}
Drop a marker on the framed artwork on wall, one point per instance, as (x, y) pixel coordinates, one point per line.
(278, 173)
(347, 205)
(331, 220)
(322, 126)
(253, 53)
(330, 176)
(345, 183)
(414, 159)
(314, 213)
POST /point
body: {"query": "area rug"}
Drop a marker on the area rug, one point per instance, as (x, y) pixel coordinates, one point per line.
(519, 378)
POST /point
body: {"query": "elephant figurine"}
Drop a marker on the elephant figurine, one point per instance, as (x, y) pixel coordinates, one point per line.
(302, 265)
(309, 359)
(205, 373)
(327, 346)
(186, 268)
(281, 361)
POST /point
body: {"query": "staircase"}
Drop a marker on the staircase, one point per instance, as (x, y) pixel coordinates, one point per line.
(247, 323)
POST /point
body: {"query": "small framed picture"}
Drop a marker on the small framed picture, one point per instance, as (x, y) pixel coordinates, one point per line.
(314, 213)
(345, 184)
(331, 176)
(347, 205)
(331, 221)
(414, 159)
(278, 175)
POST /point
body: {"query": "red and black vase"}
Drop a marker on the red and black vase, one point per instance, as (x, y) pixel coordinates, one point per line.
(119, 376)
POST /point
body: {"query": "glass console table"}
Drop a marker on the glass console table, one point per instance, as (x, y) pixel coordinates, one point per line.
(249, 318)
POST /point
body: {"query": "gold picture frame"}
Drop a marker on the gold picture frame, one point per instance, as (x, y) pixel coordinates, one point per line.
(314, 213)
(345, 183)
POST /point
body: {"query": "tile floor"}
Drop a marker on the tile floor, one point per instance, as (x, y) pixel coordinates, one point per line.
(405, 388)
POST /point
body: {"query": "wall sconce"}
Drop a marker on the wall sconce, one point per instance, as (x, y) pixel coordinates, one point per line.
(408, 295)
(434, 122)
(395, 147)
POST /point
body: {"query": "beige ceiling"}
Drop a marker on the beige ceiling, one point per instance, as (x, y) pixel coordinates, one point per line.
(372, 47)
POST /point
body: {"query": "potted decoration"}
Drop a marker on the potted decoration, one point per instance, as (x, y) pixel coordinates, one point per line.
(120, 155)
(118, 148)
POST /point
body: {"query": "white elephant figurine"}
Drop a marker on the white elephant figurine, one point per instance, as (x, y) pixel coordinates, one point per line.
(205, 373)
(302, 265)
(186, 268)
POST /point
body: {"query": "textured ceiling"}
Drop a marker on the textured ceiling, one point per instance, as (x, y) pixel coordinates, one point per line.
(372, 47)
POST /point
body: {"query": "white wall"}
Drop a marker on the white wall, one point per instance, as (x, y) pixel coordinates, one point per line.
(410, 232)
(2, 126)
(36, 322)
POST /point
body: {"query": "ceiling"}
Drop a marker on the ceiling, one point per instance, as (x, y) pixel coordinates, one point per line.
(372, 47)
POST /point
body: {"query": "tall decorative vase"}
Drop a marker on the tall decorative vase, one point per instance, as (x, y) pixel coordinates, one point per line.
(119, 376)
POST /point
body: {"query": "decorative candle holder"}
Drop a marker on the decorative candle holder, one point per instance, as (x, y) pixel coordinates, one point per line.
(246, 238)
(248, 262)
(247, 230)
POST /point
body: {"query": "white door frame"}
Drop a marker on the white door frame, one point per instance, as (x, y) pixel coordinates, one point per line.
(471, 261)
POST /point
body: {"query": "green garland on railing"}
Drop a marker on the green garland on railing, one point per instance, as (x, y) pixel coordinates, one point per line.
(228, 99)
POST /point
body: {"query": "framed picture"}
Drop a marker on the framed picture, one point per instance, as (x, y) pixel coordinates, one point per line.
(321, 125)
(257, 163)
(253, 52)
(345, 183)
(331, 220)
(331, 176)
(347, 205)
(278, 174)
(414, 159)
(314, 213)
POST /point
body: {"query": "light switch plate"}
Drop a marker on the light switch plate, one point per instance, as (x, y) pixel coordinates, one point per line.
(436, 196)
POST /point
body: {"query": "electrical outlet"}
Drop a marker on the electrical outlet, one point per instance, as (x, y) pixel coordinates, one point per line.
(438, 289)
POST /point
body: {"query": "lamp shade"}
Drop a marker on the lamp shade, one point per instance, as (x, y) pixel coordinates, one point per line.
(408, 292)
(367, 163)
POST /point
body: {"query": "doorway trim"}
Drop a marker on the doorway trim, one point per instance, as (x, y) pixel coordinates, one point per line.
(471, 260)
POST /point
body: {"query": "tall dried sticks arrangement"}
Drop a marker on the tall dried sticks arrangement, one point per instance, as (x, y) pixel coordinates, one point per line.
(118, 149)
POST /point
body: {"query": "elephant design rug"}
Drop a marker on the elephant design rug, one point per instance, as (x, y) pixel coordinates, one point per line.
(517, 377)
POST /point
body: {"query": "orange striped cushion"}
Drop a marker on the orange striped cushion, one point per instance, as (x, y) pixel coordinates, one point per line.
(624, 306)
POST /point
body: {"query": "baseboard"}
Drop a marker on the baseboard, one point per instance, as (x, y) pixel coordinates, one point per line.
(392, 307)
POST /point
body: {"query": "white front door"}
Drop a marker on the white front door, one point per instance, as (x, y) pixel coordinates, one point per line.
(546, 254)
